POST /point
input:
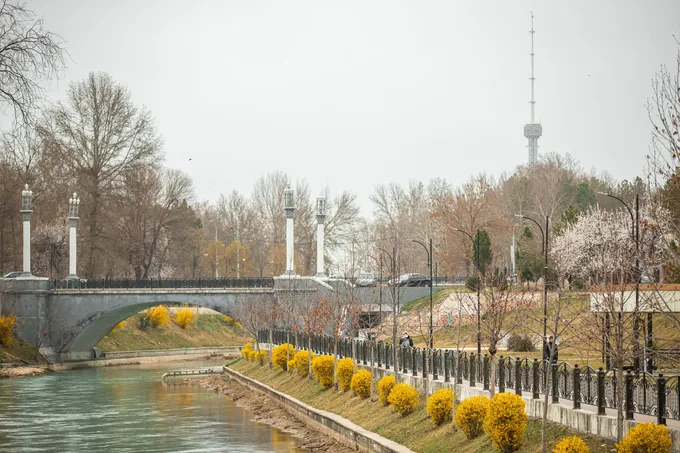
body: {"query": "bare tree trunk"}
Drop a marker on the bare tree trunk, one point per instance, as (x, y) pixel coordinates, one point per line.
(492, 377)
(546, 401)
(309, 357)
(257, 348)
(335, 363)
(271, 348)
(287, 348)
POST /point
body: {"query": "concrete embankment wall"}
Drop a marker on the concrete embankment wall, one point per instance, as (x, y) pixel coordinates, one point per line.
(144, 357)
(342, 430)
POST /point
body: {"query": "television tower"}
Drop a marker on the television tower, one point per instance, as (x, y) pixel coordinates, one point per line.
(532, 130)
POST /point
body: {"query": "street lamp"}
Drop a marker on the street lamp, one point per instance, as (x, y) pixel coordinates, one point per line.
(479, 284)
(544, 249)
(635, 221)
(429, 265)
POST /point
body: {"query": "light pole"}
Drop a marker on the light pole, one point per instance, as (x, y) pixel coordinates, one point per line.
(635, 220)
(429, 265)
(544, 247)
(479, 284)
(26, 211)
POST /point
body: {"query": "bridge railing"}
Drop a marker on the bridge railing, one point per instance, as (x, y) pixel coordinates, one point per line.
(165, 283)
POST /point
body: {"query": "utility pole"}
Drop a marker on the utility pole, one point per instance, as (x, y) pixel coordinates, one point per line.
(216, 264)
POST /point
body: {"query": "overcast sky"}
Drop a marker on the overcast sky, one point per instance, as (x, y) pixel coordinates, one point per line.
(356, 93)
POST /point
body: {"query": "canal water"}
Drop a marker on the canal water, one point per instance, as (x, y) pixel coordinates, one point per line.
(126, 409)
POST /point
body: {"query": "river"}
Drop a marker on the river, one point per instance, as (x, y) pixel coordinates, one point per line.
(126, 409)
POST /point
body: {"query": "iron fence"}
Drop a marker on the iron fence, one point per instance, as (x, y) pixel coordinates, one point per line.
(165, 283)
(642, 393)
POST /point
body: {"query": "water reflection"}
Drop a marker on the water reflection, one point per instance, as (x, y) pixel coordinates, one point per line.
(126, 409)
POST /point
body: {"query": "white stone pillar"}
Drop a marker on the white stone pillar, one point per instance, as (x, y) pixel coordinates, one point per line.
(26, 211)
(289, 206)
(73, 205)
(320, 225)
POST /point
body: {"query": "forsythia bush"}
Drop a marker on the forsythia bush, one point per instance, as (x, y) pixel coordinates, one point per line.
(345, 372)
(291, 365)
(646, 438)
(159, 316)
(228, 320)
(361, 383)
(439, 406)
(7, 324)
(572, 444)
(403, 398)
(470, 415)
(253, 355)
(279, 356)
(246, 350)
(322, 367)
(263, 354)
(302, 363)
(183, 317)
(120, 325)
(385, 386)
(506, 421)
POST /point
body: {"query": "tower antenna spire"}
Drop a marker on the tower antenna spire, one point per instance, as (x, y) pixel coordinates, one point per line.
(532, 130)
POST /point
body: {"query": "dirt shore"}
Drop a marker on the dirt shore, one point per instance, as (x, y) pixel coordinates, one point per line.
(271, 413)
(21, 371)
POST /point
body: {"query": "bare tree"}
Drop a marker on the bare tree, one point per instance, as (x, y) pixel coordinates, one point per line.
(29, 54)
(99, 133)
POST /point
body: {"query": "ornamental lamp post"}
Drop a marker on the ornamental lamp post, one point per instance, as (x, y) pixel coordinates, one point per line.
(26, 211)
(544, 249)
(320, 226)
(289, 209)
(635, 220)
(73, 207)
(479, 284)
(429, 265)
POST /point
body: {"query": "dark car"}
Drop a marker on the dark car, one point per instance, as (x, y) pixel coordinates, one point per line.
(14, 274)
(412, 280)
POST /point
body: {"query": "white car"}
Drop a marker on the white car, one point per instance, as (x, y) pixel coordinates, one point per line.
(365, 279)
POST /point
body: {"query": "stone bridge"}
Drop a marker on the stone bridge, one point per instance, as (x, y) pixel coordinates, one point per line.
(65, 319)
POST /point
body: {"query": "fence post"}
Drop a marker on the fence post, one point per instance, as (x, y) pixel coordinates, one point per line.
(425, 376)
(534, 380)
(414, 362)
(447, 370)
(555, 383)
(661, 400)
(378, 348)
(472, 370)
(459, 367)
(364, 350)
(628, 383)
(403, 359)
(435, 354)
(577, 386)
(518, 376)
(485, 370)
(501, 374)
(600, 393)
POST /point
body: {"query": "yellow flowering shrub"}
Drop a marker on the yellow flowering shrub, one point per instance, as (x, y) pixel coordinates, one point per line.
(246, 350)
(183, 317)
(7, 324)
(280, 357)
(439, 406)
(158, 316)
(385, 386)
(228, 320)
(506, 421)
(646, 438)
(404, 398)
(322, 367)
(263, 354)
(470, 415)
(120, 325)
(253, 355)
(571, 444)
(302, 363)
(361, 383)
(345, 372)
(291, 365)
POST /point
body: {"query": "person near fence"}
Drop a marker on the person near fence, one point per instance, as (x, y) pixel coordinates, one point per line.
(549, 349)
(406, 341)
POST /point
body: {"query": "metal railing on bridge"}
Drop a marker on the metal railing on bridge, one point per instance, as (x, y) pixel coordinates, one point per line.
(643, 393)
(165, 283)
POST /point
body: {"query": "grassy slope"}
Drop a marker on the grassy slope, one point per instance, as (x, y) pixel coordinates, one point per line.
(204, 331)
(17, 351)
(415, 430)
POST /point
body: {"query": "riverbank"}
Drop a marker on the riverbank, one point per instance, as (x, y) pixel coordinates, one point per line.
(415, 431)
(269, 412)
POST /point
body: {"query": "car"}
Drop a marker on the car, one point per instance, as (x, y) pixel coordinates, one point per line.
(365, 279)
(411, 280)
(14, 274)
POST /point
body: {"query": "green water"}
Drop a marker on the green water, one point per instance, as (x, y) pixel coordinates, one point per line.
(126, 409)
